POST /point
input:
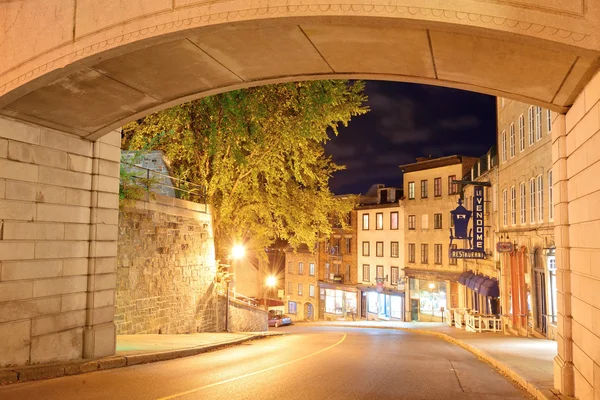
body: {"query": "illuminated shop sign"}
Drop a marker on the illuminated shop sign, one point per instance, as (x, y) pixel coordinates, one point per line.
(461, 217)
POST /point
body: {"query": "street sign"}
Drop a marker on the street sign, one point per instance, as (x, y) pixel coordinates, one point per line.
(504, 247)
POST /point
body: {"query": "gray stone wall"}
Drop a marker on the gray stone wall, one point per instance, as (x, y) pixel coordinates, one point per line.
(242, 317)
(166, 268)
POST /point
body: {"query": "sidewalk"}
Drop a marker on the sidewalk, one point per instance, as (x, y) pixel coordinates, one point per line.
(133, 350)
(528, 361)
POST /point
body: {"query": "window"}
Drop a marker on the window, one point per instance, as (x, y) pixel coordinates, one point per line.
(366, 249)
(424, 254)
(290, 267)
(311, 290)
(365, 222)
(521, 133)
(348, 245)
(523, 201)
(553, 288)
(299, 289)
(538, 123)
(394, 220)
(366, 273)
(412, 222)
(452, 187)
(512, 140)
(424, 189)
(549, 121)
(531, 125)
(292, 307)
(437, 253)
(311, 269)
(394, 249)
(379, 221)
(300, 268)
(337, 245)
(503, 146)
(532, 200)
(327, 271)
(437, 187)
(395, 274)
(424, 221)
(540, 197)
(290, 288)
(453, 261)
(379, 272)
(411, 190)
(379, 249)
(494, 197)
(513, 205)
(437, 221)
(550, 197)
(411, 252)
(504, 207)
(347, 272)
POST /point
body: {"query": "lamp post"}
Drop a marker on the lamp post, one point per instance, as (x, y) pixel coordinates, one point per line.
(237, 252)
(269, 283)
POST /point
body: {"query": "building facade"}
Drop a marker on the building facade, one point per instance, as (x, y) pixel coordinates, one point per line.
(483, 173)
(429, 196)
(337, 272)
(300, 293)
(380, 237)
(526, 218)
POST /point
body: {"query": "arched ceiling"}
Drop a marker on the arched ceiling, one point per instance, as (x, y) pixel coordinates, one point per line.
(89, 66)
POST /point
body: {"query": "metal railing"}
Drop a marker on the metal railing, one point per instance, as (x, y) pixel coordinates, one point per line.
(167, 185)
(222, 290)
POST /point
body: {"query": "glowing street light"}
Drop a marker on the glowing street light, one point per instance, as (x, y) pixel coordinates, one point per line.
(271, 281)
(432, 286)
(238, 251)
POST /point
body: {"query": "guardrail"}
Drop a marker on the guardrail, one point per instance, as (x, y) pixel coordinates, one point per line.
(168, 185)
(237, 296)
(482, 323)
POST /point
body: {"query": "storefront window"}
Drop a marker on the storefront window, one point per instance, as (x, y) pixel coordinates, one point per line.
(552, 273)
(334, 301)
(291, 307)
(397, 308)
(350, 302)
(372, 302)
(432, 298)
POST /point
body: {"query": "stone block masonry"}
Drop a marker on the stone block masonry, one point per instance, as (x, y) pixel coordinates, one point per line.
(166, 268)
(57, 273)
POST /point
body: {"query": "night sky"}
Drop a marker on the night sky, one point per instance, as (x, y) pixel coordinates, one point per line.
(408, 121)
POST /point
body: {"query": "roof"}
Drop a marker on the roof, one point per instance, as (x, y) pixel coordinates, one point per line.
(424, 163)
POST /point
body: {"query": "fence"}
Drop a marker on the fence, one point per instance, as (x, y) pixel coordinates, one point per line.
(167, 185)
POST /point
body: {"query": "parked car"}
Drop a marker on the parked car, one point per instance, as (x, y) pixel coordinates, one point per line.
(279, 320)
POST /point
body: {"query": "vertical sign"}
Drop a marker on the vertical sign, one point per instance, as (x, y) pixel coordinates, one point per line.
(478, 220)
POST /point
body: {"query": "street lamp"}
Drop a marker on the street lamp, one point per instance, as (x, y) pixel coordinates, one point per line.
(237, 252)
(270, 282)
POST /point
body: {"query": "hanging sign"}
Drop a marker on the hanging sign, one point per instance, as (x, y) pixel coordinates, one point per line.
(461, 218)
(504, 247)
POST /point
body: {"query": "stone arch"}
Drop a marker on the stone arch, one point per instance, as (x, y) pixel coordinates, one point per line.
(106, 63)
(309, 311)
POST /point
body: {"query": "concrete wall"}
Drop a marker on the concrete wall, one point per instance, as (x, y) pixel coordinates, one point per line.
(58, 230)
(576, 155)
(242, 317)
(165, 268)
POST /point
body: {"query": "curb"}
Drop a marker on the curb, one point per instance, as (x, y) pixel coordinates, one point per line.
(46, 371)
(540, 393)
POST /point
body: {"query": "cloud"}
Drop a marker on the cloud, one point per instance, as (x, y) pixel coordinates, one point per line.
(461, 122)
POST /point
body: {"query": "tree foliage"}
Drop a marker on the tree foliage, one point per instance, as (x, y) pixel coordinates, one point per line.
(259, 153)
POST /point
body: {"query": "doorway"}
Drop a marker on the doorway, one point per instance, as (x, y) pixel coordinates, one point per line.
(414, 309)
(540, 300)
(308, 312)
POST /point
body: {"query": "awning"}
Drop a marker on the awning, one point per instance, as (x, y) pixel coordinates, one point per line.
(490, 288)
(470, 283)
(477, 283)
(463, 278)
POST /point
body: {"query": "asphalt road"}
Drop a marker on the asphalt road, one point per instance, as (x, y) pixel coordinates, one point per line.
(311, 363)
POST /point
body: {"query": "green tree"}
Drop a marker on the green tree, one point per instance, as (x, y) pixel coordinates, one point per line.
(259, 153)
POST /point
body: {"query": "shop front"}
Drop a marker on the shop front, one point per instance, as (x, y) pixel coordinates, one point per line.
(337, 301)
(383, 304)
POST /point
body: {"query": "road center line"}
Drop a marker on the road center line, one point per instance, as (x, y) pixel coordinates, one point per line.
(173, 396)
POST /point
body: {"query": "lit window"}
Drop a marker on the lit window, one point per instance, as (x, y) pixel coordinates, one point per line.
(311, 269)
(437, 253)
(412, 222)
(424, 221)
(366, 273)
(411, 190)
(365, 249)
(549, 120)
(437, 221)
(538, 123)
(395, 273)
(365, 224)
(437, 187)
(452, 187)
(379, 272)
(394, 220)
(424, 253)
(503, 146)
(532, 200)
(311, 290)
(424, 191)
(299, 289)
(379, 221)
(504, 207)
(411, 252)
(300, 268)
(292, 307)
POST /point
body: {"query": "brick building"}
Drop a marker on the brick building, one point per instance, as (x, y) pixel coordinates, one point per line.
(301, 298)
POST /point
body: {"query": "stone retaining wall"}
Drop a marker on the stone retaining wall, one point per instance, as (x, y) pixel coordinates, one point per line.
(165, 268)
(242, 317)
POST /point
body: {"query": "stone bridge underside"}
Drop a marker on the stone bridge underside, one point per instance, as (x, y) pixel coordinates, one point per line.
(89, 66)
